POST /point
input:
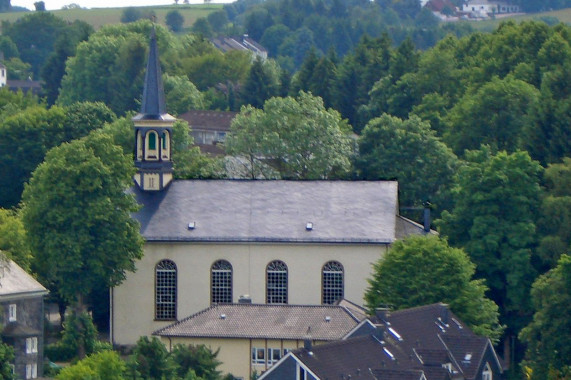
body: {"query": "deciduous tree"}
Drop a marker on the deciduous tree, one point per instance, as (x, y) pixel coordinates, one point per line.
(421, 270)
(78, 218)
(296, 137)
(548, 343)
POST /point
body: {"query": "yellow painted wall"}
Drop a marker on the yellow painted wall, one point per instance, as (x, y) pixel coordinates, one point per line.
(133, 301)
(235, 354)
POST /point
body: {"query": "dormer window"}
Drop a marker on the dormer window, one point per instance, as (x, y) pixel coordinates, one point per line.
(487, 372)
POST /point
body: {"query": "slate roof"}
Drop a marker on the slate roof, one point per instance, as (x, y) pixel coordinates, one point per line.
(265, 322)
(208, 120)
(15, 283)
(420, 341)
(270, 211)
(153, 105)
(357, 357)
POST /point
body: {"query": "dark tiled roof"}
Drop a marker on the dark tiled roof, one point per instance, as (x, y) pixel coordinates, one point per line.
(15, 329)
(406, 227)
(265, 321)
(208, 120)
(355, 356)
(270, 211)
(389, 374)
(468, 352)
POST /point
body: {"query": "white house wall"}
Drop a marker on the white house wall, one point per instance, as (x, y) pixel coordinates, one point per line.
(133, 301)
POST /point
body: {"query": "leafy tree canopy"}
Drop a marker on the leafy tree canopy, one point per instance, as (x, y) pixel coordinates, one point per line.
(13, 242)
(77, 216)
(296, 137)
(493, 219)
(421, 270)
(409, 151)
(548, 346)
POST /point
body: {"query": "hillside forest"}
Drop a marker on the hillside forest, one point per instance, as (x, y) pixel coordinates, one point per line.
(475, 125)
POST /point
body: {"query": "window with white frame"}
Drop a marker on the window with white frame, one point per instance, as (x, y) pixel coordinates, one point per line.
(274, 355)
(151, 153)
(32, 345)
(221, 282)
(258, 356)
(165, 290)
(301, 373)
(332, 282)
(31, 371)
(276, 282)
(165, 145)
(487, 372)
(12, 309)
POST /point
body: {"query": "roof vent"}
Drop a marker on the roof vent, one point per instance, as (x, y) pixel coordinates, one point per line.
(222, 316)
(191, 225)
(309, 226)
(244, 299)
(327, 318)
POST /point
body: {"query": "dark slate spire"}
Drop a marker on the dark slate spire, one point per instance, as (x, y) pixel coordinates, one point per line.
(153, 104)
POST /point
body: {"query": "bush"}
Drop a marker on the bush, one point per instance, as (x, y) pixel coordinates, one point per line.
(106, 365)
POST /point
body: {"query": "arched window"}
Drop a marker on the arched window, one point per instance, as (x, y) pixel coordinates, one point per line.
(139, 146)
(221, 282)
(165, 290)
(165, 146)
(276, 282)
(152, 149)
(332, 282)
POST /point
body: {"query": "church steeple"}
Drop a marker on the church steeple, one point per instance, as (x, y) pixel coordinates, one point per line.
(153, 129)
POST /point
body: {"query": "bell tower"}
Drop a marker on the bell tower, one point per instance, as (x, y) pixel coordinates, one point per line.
(153, 129)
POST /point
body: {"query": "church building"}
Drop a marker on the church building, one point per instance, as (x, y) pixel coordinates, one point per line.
(212, 242)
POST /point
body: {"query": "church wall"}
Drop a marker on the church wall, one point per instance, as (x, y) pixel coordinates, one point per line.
(133, 301)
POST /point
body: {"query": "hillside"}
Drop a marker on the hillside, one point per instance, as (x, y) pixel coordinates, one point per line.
(101, 16)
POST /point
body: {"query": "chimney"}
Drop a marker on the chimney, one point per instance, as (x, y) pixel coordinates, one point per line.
(444, 313)
(307, 340)
(426, 216)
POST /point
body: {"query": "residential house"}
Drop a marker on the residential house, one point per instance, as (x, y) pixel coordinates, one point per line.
(421, 343)
(209, 129)
(485, 8)
(250, 338)
(210, 241)
(242, 43)
(22, 318)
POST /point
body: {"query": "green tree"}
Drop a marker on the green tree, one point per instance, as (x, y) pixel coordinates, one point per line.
(6, 358)
(181, 95)
(262, 83)
(199, 359)
(35, 35)
(13, 242)
(78, 218)
(548, 346)
(25, 137)
(496, 199)
(553, 224)
(131, 14)
(497, 114)
(409, 151)
(421, 270)
(218, 21)
(202, 26)
(151, 361)
(84, 117)
(105, 365)
(64, 47)
(174, 21)
(297, 137)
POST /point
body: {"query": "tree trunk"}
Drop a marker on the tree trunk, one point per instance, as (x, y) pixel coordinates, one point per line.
(78, 310)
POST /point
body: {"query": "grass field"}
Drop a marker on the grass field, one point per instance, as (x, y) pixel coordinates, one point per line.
(102, 16)
(563, 15)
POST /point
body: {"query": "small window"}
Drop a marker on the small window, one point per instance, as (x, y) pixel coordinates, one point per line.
(276, 282)
(165, 145)
(274, 355)
(487, 372)
(221, 282)
(12, 317)
(258, 356)
(301, 373)
(152, 149)
(165, 290)
(31, 345)
(332, 282)
(31, 371)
